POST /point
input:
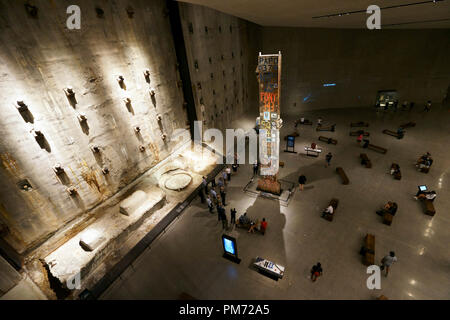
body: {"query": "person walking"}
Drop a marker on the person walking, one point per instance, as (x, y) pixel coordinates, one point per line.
(255, 168)
(301, 181)
(427, 106)
(210, 205)
(233, 216)
(223, 193)
(228, 171)
(316, 271)
(328, 159)
(387, 262)
(225, 177)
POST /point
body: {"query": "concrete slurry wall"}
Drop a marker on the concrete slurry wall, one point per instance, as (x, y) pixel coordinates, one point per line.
(39, 57)
(222, 53)
(360, 62)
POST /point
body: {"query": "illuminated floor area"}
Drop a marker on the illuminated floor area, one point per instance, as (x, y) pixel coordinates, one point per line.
(188, 257)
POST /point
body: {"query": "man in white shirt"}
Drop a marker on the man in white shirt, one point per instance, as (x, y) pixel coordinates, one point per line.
(387, 261)
(228, 171)
(328, 210)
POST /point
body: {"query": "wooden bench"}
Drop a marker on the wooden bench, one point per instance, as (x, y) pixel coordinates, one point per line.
(369, 250)
(377, 148)
(357, 133)
(382, 298)
(397, 174)
(334, 203)
(365, 160)
(359, 124)
(306, 122)
(429, 207)
(408, 125)
(393, 133)
(387, 218)
(326, 128)
(343, 176)
(281, 164)
(328, 140)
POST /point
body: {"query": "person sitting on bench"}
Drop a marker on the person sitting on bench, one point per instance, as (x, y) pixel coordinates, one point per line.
(390, 207)
(395, 169)
(244, 220)
(400, 132)
(328, 210)
(423, 195)
(261, 229)
(366, 143)
(319, 122)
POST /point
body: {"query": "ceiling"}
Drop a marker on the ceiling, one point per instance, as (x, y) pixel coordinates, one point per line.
(414, 14)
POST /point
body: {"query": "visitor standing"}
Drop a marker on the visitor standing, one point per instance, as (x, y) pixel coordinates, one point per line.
(404, 105)
(301, 181)
(316, 271)
(205, 184)
(328, 159)
(223, 217)
(319, 122)
(213, 193)
(202, 195)
(427, 106)
(210, 205)
(223, 193)
(387, 261)
(233, 216)
(225, 176)
(228, 171)
(255, 168)
(411, 106)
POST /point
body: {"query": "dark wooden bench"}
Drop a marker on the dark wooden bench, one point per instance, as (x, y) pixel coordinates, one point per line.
(369, 250)
(424, 169)
(326, 128)
(387, 218)
(343, 176)
(408, 125)
(328, 140)
(359, 124)
(357, 133)
(365, 160)
(376, 148)
(397, 174)
(334, 203)
(429, 207)
(393, 133)
(306, 122)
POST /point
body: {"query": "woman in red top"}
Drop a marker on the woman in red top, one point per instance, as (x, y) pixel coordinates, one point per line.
(360, 138)
(263, 226)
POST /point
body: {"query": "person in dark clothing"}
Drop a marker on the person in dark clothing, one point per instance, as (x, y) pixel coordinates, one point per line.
(233, 216)
(400, 132)
(213, 183)
(205, 184)
(427, 106)
(316, 271)
(328, 159)
(223, 217)
(223, 194)
(411, 105)
(301, 181)
(235, 167)
(220, 212)
(366, 143)
(255, 168)
(202, 195)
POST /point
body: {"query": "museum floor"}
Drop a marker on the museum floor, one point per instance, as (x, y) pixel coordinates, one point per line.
(187, 258)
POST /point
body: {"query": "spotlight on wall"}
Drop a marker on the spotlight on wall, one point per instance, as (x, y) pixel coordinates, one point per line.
(95, 149)
(69, 92)
(152, 92)
(31, 10)
(105, 170)
(158, 117)
(137, 129)
(21, 106)
(120, 79)
(130, 12)
(163, 136)
(71, 191)
(99, 12)
(58, 169)
(141, 148)
(147, 75)
(82, 117)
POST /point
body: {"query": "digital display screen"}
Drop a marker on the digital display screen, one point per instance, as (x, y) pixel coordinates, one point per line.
(229, 245)
(291, 141)
(423, 188)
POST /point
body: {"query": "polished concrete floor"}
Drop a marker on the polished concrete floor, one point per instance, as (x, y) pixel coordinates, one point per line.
(188, 257)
